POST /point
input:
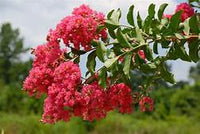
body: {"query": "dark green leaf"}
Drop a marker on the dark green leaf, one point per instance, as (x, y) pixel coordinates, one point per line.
(130, 16)
(172, 54)
(175, 21)
(165, 43)
(155, 47)
(102, 77)
(77, 60)
(151, 10)
(127, 63)
(91, 63)
(100, 51)
(194, 24)
(112, 33)
(100, 28)
(181, 53)
(166, 75)
(110, 13)
(194, 50)
(148, 68)
(161, 10)
(95, 43)
(148, 53)
(122, 39)
(109, 62)
(139, 20)
(79, 52)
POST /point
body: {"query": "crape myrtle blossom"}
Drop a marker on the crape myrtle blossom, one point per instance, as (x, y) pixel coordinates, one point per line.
(62, 93)
(186, 11)
(90, 103)
(80, 28)
(95, 102)
(146, 104)
(41, 75)
(120, 96)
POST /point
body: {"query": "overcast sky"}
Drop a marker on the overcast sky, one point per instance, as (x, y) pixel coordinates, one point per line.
(34, 18)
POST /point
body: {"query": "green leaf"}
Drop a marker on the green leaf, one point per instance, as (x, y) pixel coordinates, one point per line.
(100, 51)
(190, 1)
(110, 24)
(175, 21)
(112, 33)
(194, 24)
(139, 20)
(172, 54)
(100, 28)
(77, 60)
(113, 19)
(148, 53)
(147, 22)
(130, 16)
(151, 10)
(179, 36)
(75, 51)
(194, 50)
(155, 47)
(109, 62)
(148, 68)
(161, 10)
(91, 63)
(139, 36)
(102, 77)
(181, 53)
(122, 39)
(127, 64)
(186, 28)
(110, 13)
(166, 75)
(164, 43)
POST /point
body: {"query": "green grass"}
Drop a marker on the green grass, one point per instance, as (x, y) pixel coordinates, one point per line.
(30, 124)
(114, 124)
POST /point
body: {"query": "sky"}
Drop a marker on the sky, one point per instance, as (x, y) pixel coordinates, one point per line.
(34, 18)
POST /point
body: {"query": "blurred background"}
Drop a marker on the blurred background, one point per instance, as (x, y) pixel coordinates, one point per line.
(24, 24)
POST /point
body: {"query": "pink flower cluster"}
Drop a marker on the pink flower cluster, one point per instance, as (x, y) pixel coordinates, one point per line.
(187, 11)
(41, 75)
(67, 96)
(146, 102)
(80, 28)
(62, 93)
(89, 102)
(120, 96)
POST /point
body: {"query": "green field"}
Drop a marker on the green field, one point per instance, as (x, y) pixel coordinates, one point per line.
(114, 124)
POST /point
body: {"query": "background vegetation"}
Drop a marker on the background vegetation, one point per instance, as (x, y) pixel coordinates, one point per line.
(176, 107)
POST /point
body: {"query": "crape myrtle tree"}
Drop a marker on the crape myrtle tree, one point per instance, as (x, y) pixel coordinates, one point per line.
(121, 49)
